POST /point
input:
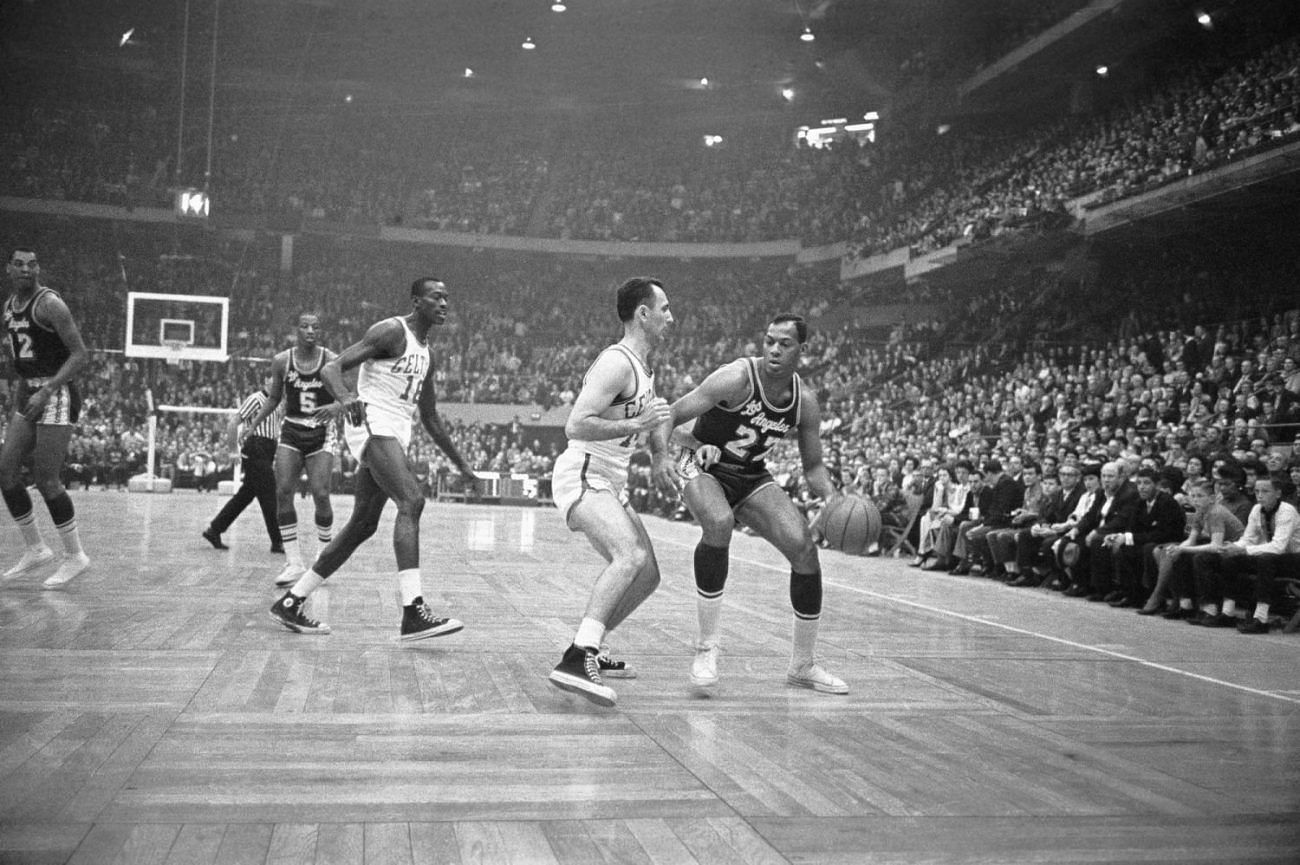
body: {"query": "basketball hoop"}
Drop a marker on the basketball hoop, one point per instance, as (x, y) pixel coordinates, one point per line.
(175, 351)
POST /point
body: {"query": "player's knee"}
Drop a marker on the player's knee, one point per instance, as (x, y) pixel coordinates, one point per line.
(49, 488)
(411, 506)
(717, 532)
(637, 559)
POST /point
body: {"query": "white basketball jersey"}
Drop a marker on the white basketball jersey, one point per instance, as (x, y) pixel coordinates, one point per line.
(617, 453)
(390, 387)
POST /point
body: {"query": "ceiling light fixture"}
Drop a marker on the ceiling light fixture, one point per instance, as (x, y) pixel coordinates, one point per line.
(704, 82)
(1103, 71)
(787, 93)
(807, 35)
(469, 73)
(529, 44)
(558, 7)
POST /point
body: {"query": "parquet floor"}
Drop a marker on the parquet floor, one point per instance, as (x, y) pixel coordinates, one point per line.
(153, 713)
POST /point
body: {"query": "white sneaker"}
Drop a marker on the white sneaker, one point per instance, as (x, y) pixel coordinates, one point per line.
(704, 669)
(72, 565)
(30, 559)
(814, 677)
(289, 575)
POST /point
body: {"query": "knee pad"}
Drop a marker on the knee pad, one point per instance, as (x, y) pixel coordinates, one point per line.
(61, 510)
(806, 593)
(17, 501)
(711, 565)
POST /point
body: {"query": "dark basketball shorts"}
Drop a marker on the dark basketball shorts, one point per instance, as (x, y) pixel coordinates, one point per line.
(307, 440)
(738, 484)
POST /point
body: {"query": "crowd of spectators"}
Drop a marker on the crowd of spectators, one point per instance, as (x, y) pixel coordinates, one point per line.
(913, 188)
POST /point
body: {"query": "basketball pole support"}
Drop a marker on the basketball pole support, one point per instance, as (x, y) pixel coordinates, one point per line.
(149, 482)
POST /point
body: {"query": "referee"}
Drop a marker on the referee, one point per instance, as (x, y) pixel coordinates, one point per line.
(258, 476)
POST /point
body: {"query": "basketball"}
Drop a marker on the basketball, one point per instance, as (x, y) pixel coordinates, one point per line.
(850, 524)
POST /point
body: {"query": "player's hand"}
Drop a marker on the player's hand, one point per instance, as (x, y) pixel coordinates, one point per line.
(36, 404)
(353, 411)
(707, 456)
(654, 414)
(666, 474)
(470, 482)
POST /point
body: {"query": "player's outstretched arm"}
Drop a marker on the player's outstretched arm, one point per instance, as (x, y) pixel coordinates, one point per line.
(725, 385)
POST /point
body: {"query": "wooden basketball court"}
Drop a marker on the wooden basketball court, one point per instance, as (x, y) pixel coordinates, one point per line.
(153, 713)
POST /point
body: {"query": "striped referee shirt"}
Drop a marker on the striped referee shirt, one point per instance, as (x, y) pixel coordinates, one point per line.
(252, 404)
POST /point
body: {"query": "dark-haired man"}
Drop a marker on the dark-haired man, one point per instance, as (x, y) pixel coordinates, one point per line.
(46, 351)
(395, 381)
(615, 410)
(740, 411)
(297, 382)
(1158, 519)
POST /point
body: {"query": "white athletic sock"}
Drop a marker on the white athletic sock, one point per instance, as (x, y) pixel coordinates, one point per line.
(707, 612)
(71, 539)
(1184, 603)
(31, 534)
(307, 583)
(1229, 607)
(803, 646)
(1210, 609)
(324, 533)
(1261, 611)
(589, 635)
(409, 585)
(292, 549)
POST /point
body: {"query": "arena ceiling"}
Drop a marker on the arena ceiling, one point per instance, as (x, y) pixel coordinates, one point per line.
(598, 58)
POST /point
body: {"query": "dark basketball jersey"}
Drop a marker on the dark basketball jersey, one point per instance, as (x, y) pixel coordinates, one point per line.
(304, 391)
(38, 350)
(746, 432)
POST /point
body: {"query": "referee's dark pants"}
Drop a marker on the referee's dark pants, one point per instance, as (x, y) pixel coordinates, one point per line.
(257, 482)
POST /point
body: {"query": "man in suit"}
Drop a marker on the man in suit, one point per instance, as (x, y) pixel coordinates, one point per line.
(1159, 520)
(1033, 548)
(1111, 513)
(1005, 496)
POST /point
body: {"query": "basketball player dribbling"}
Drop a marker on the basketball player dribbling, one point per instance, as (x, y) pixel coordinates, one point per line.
(740, 411)
(47, 352)
(295, 379)
(395, 381)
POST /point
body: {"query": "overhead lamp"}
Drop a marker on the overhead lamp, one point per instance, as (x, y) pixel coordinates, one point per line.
(806, 35)
(529, 44)
(1103, 70)
(1204, 19)
(704, 82)
(469, 73)
(787, 93)
(558, 7)
(126, 38)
